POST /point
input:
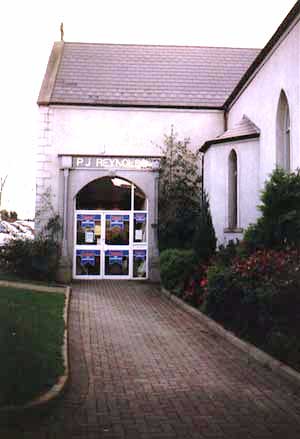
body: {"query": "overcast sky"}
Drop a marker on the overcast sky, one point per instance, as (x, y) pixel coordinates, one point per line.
(29, 28)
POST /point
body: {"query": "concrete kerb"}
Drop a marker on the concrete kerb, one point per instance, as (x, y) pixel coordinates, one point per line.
(44, 401)
(253, 352)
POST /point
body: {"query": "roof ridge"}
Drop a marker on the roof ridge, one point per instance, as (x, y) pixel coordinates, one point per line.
(161, 45)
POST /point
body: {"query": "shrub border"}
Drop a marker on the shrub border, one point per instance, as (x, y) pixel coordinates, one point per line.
(253, 352)
(44, 401)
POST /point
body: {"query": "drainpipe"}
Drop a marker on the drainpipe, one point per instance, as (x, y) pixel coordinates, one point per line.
(66, 164)
(65, 217)
(225, 118)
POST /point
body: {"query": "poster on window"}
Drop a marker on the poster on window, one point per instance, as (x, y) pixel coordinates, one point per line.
(116, 256)
(87, 224)
(139, 254)
(140, 218)
(116, 223)
(89, 237)
(87, 262)
(139, 263)
(88, 257)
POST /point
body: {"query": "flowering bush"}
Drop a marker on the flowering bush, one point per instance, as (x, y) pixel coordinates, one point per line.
(258, 297)
(267, 265)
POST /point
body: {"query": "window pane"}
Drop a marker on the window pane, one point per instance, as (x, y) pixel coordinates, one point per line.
(88, 229)
(117, 262)
(87, 262)
(140, 227)
(107, 193)
(117, 229)
(139, 263)
(139, 199)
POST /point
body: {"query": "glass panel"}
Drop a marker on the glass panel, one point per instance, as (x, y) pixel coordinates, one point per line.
(88, 229)
(117, 229)
(107, 193)
(140, 227)
(87, 262)
(139, 263)
(117, 262)
(139, 199)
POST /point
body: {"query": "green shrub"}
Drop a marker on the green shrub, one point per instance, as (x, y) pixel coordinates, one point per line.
(179, 194)
(176, 266)
(254, 295)
(31, 259)
(204, 237)
(226, 253)
(279, 224)
(283, 346)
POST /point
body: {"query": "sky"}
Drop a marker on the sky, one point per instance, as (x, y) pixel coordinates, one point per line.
(29, 28)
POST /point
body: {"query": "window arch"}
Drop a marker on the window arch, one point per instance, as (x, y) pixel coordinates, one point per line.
(111, 193)
(283, 132)
(232, 190)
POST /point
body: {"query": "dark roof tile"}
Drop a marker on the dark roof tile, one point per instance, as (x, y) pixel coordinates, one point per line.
(167, 76)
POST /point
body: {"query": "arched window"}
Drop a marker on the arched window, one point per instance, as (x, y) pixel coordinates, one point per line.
(232, 190)
(283, 146)
(110, 193)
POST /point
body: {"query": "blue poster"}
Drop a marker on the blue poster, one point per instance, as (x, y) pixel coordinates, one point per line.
(116, 256)
(116, 222)
(87, 223)
(88, 260)
(140, 218)
(88, 220)
(140, 254)
(87, 253)
(88, 256)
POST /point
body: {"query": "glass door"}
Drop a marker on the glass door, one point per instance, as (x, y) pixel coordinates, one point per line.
(111, 231)
(116, 245)
(87, 254)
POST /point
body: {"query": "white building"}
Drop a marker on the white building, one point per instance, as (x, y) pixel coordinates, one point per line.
(104, 112)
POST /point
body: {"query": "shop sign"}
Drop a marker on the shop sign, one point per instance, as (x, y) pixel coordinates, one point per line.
(129, 163)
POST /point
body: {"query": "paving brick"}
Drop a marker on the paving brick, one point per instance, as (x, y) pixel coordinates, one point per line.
(141, 368)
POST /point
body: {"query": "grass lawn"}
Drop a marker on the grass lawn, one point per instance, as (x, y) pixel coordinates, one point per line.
(31, 338)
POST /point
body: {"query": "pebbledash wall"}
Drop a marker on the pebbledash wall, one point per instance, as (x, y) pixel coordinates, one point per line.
(80, 144)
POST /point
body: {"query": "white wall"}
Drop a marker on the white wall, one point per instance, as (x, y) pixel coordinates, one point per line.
(129, 131)
(216, 184)
(111, 131)
(256, 159)
(259, 101)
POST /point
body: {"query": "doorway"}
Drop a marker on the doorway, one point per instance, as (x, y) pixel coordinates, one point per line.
(111, 231)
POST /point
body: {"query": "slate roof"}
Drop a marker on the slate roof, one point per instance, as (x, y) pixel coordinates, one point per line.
(140, 75)
(245, 129)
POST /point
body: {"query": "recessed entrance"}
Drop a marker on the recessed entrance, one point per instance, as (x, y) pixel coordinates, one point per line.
(111, 231)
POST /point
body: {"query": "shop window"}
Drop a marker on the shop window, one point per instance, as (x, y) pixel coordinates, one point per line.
(140, 227)
(139, 199)
(139, 263)
(283, 129)
(116, 262)
(88, 229)
(117, 230)
(232, 191)
(87, 262)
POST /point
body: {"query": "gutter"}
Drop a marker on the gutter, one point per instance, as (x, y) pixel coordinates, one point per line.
(207, 144)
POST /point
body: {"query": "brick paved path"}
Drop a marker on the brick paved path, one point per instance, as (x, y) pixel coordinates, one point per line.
(143, 368)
